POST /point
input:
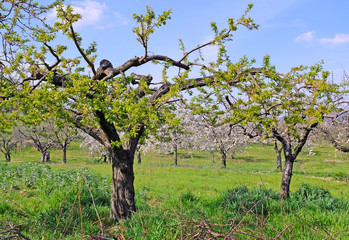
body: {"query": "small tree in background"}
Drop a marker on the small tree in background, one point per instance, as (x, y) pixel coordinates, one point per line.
(94, 147)
(8, 143)
(213, 130)
(63, 135)
(41, 137)
(172, 138)
(288, 107)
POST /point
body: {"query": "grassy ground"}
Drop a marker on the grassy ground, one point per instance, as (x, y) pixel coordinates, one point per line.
(196, 172)
(196, 187)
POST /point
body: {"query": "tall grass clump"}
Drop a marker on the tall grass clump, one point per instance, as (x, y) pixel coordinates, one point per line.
(242, 213)
(51, 203)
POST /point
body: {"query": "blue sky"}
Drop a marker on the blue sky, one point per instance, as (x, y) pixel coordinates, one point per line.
(292, 32)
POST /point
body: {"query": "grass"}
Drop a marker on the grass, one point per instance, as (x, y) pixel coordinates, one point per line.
(194, 197)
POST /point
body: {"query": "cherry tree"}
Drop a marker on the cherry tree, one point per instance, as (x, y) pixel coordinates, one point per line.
(175, 136)
(63, 135)
(222, 138)
(94, 147)
(110, 103)
(288, 107)
(216, 130)
(41, 137)
(8, 143)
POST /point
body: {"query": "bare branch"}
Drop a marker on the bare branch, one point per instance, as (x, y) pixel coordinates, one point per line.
(304, 138)
(55, 55)
(198, 82)
(136, 61)
(96, 133)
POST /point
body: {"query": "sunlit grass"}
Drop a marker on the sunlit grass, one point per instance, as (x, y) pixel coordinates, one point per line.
(194, 186)
(195, 172)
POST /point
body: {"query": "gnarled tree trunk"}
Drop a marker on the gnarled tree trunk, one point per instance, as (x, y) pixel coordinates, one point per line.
(123, 194)
(45, 156)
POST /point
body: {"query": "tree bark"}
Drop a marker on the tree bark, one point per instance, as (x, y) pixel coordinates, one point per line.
(335, 143)
(139, 157)
(8, 156)
(64, 158)
(175, 156)
(224, 159)
(6, 148)
(45, 156)
(123, 194)
(278, 156)
(290, 156)
(286, 177)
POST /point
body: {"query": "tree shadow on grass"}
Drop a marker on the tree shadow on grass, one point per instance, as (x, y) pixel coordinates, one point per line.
(188, 156)
(250, 159)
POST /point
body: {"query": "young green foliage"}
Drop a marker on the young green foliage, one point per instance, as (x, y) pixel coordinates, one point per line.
(112, 105)
(286, 106)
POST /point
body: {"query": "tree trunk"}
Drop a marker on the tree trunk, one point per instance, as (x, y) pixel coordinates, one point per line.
(175, 155)
(45, 157)
(139, 158)
(123, 195)
(286, 177)
(291, 157)
(278, 156)
(104, 157)
(224, 159)
(8, 156)
(64, 159)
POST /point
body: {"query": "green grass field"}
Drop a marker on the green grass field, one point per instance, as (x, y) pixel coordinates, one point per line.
(196, 197)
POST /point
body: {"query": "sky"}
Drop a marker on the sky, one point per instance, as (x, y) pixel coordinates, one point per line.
(292, 32)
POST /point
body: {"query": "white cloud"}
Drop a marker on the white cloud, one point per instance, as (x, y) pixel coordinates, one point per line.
(52, 15)
(121, 18)
(209, 52)
(305, 37)
(93, 14)
(338, 39)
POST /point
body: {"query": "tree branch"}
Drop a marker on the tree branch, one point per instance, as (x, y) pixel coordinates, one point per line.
(334, 142)
(96, 133)
(136, 61)
(281, 139)
(107, 127)
(55, 55)
(304, 139)
(165, 88)
(80, 50)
